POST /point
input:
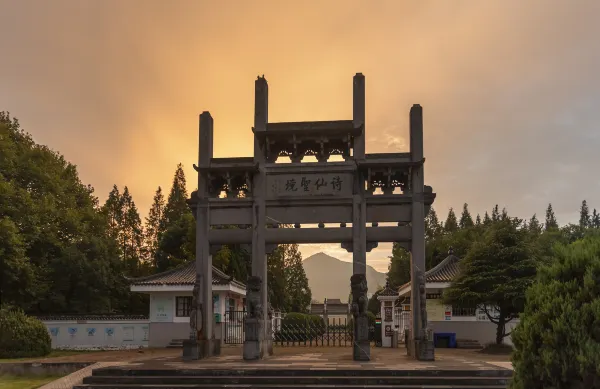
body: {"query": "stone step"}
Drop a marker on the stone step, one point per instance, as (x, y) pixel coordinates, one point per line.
(199, 372)
(255, 381)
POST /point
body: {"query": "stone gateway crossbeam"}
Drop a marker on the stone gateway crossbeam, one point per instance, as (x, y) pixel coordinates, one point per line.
(355, 193)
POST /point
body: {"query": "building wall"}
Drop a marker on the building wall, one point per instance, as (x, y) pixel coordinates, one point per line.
(98, 334)
(161, 334)
(163, 306)
(482, 331)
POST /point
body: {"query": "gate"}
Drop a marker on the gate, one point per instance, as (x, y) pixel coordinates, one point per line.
(234, 327)
(337, 332)
(401, 322)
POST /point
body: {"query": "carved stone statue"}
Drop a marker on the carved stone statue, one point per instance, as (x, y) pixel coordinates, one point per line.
(253, 297)
(360, 302)
(422, 303)
(194, 309)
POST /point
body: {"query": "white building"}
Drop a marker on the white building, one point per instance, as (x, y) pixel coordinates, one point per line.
(171, 297)
(468, 323)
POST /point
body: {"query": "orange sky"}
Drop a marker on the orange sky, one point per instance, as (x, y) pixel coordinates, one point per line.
(509, 88)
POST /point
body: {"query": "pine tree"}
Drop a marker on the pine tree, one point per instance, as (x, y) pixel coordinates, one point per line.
(478, 220)
(131, 233)
(299, 294)
(495, 214)
(504, 215)
(466, 220)
(584, 215)
(486, 219)
(595, 219)
(113, 211)
(534, 225)
(451, 224)
(153, 229)
(177, 202)
(432, 224)
(550, 218)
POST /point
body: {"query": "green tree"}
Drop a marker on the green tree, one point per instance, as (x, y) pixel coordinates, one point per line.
(466, 220)
(276, 287)
(114, 213)
(152, 229)
(451, 223)
(298, 293)
(584, 215)
(478, 220)
(52, 220)
(432, 224)
(177, 245)
(557, 344)
(132, 235)
(534, 225)
(495, 274)
(177, 201)
(399, 267)
(595, 219)
(486, 219)
(17, 274)
(495, 214)
(550, 218)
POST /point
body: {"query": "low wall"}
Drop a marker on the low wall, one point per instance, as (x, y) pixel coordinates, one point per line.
(41, 369)
(482, 331)
(98, 334)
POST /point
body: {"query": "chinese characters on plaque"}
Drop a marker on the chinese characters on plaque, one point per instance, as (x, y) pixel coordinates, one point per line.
(310, 184)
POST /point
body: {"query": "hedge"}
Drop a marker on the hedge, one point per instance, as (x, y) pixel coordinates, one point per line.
(22, 336)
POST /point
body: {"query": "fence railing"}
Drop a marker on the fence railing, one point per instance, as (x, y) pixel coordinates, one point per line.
(337, 332)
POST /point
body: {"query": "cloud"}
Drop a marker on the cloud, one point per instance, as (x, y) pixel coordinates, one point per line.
(509, 89)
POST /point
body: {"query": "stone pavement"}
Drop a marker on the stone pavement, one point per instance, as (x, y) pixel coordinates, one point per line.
(329, 358)
(316, 358)
(77, 377)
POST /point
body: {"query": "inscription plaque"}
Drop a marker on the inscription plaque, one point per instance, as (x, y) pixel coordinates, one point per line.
(309, 184)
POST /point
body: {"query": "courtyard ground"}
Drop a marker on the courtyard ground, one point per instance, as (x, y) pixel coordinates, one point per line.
(231, 352)
(284, 358)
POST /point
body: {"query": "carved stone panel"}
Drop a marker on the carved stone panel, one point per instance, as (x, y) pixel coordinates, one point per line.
(309, 185)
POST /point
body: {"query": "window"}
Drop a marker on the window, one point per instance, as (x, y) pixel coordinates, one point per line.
(463, 310)
(184, 305)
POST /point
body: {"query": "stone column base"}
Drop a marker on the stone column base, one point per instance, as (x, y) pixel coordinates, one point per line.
(200, 349)
(422, 350)
(362, 350)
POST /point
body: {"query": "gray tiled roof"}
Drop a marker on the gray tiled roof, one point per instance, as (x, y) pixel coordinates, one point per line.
(185, 275)
(445, 271)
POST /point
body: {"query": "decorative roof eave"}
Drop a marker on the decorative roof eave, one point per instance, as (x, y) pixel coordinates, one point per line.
(441, 274)
(218, 278)
(387, 294)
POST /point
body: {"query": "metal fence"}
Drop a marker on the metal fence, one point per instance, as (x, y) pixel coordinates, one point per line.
(234, 327)
(401, 322)
(337, 332)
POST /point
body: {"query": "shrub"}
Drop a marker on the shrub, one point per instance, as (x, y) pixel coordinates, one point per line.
(557, 341)
(22, 336)
(299, 327)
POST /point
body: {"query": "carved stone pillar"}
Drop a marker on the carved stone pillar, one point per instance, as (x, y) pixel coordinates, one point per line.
(360, 302)
(421, 346)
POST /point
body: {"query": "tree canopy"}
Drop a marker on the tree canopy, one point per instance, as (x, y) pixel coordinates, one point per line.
(557, 341)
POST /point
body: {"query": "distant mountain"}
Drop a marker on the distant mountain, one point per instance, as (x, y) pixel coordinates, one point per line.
(328, 277)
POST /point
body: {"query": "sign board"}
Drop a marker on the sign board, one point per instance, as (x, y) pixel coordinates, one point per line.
(435, 310)
(128, 333)
(387, 314)
(162, 309)
(448, 312)
(388, 330)
(309, 185)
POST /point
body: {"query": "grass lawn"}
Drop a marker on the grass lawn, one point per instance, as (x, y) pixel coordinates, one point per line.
(24, 382)
(53, 354)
